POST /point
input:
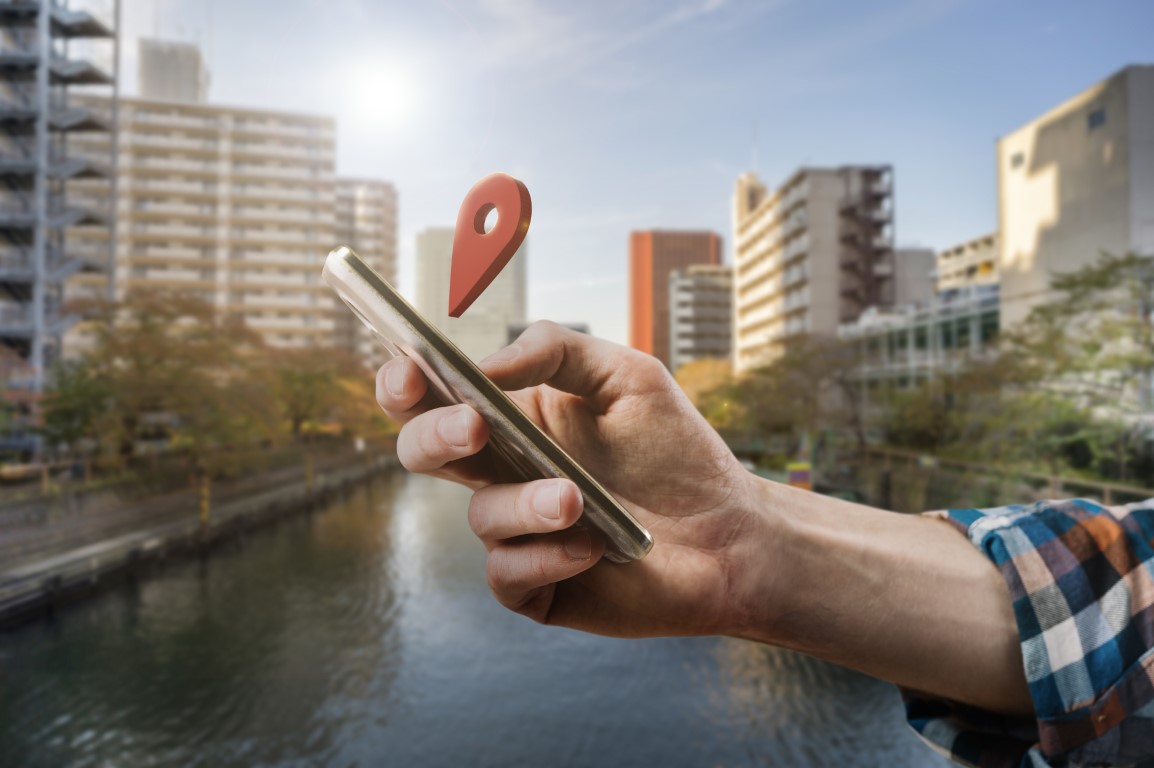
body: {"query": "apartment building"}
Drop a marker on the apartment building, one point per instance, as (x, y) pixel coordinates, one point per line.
(484, 327)
(700, 314)
(1075, 182)
(809, 255)
(968, 266)
(653, 255)
(234, 205)
(365, 217)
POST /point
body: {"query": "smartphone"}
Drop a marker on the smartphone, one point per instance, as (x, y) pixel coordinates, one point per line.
(455, 378)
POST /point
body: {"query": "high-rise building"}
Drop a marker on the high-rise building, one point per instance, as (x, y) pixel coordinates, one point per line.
(236, 206)
(1074, 183)
(700, 313)
(47, 49)
(484, 326)
(366, 221)
(653, 255)
(172, 71)
(968, 266)
(812, 254)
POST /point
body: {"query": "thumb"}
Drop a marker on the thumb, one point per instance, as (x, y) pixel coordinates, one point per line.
(546, 353)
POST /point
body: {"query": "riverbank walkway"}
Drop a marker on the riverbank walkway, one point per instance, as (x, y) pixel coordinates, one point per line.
(66, 544)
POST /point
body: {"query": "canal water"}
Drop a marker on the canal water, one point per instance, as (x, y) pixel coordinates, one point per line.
(363, 634)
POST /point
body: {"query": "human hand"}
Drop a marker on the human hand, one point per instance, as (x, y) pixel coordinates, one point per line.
(621, 416)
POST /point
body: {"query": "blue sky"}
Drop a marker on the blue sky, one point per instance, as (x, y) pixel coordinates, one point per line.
(638, 115)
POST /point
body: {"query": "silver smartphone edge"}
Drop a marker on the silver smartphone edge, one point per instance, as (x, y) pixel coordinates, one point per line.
(458, 379)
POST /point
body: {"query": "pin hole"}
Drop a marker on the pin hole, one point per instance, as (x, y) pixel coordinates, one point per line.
(485, 219)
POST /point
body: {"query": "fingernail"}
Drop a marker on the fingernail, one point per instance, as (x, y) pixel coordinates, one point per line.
(547, 500)
(455, 429)
(578, 546)
(395, 378)
(503, 355)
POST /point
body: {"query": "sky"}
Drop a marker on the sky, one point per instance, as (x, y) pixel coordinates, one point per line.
(621, 116)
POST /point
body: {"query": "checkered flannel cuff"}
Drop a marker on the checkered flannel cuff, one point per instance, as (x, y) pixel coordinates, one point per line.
(1081, 578)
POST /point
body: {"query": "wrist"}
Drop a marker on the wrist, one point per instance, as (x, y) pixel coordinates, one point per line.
(761, 581)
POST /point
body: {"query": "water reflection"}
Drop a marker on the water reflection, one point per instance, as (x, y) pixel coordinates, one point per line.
(364, 634)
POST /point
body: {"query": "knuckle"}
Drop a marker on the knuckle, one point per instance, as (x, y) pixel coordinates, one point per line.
(478, 520)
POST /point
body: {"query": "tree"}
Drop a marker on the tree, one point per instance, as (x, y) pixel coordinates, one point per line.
(73, 404)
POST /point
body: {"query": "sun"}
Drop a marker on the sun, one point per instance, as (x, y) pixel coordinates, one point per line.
(381, 95)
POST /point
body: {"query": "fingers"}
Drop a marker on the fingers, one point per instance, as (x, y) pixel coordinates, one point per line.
(523, 572)
(508, 511)
(598, 370)
(431, 440)
(400, 388)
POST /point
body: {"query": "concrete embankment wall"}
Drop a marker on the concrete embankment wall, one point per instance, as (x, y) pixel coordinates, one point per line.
(46, 579)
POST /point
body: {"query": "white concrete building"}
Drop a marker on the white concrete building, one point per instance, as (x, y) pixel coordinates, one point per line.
(700, 314)
(366, 221)
(484, 326)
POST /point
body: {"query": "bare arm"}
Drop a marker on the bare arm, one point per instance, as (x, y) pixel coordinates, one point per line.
(904, 598)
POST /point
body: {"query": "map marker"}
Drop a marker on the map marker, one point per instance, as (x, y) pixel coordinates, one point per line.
(479, 256)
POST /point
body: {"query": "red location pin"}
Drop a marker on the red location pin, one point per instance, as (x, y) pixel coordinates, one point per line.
(479, 256)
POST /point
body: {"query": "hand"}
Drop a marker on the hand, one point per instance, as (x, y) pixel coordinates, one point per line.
(622, 417)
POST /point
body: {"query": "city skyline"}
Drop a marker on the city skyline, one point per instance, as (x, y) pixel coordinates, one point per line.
(643, 117)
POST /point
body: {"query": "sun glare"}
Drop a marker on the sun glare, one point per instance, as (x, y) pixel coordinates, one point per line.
(381, 96)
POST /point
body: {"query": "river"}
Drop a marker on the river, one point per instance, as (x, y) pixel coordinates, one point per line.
(363, 634)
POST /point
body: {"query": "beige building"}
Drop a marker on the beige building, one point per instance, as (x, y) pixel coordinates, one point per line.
(809, 255)
(700, 314)
(237, 206)
(366, 220)
(967, 266)
(1075, 182)
(484, 326)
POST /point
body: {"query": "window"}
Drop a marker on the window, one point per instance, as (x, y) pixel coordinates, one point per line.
(1096, 119)
(1017, 159)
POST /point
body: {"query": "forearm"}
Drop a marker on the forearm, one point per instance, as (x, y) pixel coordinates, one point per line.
(901, 597)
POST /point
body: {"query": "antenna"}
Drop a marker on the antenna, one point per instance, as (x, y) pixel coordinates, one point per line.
(754, 169)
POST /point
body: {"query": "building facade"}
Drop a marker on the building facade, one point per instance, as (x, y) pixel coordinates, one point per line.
(904, 347)
(808, 256)
(484, 327)
(231, 205)
(700, 314)
(1073, 183)
(48, 51)
(172, 71)
(967, 266)
(653, 255)
(366, 220)
(235, 206)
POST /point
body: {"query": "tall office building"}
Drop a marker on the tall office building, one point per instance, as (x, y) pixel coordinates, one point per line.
(172, 71)
(484, 326)
(236, 206)
(366, 220)
(812, 254)
(700, 314)
(1075, 182)
(653, 255)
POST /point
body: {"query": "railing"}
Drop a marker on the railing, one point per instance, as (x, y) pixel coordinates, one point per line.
(1045, 485)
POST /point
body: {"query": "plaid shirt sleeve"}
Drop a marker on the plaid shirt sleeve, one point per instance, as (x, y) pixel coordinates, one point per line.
(1081, 579)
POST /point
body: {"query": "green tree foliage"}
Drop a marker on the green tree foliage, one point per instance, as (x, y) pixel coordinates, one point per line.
(170, 367)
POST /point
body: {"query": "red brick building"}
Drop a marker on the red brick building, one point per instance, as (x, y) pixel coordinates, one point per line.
(653, 254)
